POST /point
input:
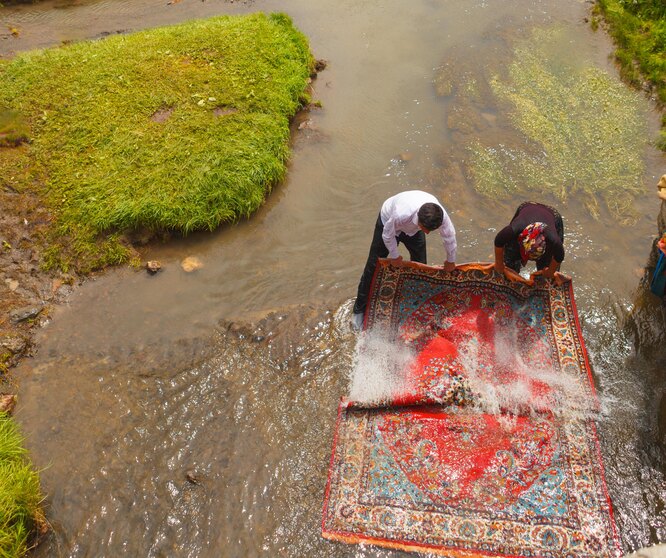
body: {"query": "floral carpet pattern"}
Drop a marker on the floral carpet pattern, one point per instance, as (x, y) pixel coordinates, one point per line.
(483, 453)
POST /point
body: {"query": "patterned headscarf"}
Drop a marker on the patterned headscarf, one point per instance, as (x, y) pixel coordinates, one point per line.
(532, 242)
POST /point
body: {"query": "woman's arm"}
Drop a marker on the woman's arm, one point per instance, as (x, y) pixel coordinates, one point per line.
(499, 259)
(553, 266)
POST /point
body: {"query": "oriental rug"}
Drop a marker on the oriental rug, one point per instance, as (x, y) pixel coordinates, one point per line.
(488, 447)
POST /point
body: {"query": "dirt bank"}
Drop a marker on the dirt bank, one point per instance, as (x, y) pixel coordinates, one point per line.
(26, 291)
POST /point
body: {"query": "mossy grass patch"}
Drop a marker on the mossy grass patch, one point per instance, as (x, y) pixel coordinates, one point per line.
(639, 31)
(178, 128)
(20, 495)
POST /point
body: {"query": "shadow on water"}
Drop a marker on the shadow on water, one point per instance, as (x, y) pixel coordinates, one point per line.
(165, 433)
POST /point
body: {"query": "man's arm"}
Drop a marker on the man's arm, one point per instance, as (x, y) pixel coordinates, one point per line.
(448, 233)
(388, 236)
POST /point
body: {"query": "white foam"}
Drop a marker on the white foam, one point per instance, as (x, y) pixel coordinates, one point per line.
(379, 367)
(566, 395)
(381, 361)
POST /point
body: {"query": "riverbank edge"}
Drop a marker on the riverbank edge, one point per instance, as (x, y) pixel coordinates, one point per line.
(635, 37)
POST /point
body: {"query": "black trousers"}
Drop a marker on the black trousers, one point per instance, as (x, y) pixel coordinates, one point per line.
(512, 257)
(416, 245)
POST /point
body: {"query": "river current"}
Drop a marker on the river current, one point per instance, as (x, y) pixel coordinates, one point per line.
(192, 414)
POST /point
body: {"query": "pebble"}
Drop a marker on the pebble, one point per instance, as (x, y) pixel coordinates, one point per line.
(153, 266)
(192, 477)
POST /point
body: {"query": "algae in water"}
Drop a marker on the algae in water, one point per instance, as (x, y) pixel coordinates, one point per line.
(583, 132)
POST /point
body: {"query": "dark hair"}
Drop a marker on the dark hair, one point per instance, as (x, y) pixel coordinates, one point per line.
(431, 216)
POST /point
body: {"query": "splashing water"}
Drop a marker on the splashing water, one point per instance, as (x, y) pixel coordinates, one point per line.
(512, 384)
(519, 386)
(379, 368)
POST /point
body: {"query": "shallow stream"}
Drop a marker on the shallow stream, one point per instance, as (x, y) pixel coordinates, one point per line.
(192, 414)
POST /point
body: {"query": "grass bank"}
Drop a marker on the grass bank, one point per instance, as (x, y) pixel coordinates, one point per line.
(20, 496)
(178, 128)
(639, 30)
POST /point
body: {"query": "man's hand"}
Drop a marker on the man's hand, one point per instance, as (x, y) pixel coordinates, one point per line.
(449, 266)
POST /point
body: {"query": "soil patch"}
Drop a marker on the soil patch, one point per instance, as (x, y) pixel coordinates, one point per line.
(162, 115)
(26, 291)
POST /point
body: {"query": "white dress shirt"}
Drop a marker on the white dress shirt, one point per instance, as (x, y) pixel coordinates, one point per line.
(400, 214)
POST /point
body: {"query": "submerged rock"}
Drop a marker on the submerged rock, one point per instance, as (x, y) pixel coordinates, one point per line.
(191, 263)
(307, 125)
(192, 477)
(657, 551)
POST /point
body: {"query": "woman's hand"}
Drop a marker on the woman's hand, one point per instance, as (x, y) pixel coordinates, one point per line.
(499, 259)
(511, 275)
(561, 279)
(537, 273)
(558, 278)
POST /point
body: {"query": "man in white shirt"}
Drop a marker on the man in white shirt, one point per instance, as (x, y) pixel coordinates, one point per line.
(406, 217)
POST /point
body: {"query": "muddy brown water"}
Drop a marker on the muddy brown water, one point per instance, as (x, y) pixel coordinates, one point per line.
(191, 414)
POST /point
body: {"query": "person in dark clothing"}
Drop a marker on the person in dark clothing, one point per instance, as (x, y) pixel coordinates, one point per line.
(535, 233)
(406, 217)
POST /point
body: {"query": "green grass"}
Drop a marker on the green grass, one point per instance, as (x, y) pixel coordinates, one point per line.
(20, 496)
(582, 132)
(228, 87)
(638, 28)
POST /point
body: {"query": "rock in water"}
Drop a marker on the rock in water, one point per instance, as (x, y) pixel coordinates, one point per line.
(191, 263)
(153, 266)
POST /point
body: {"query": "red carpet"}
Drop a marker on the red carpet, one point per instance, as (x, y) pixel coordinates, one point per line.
(488, 449)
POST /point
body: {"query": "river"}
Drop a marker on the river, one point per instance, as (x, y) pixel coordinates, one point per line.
(192, 414)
